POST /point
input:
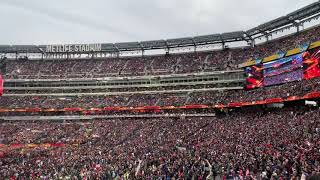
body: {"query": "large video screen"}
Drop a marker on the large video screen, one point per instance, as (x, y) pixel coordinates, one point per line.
(294, 68)
(311, 66)
(283, 70)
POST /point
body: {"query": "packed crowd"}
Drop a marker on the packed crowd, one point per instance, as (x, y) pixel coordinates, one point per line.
(155, 65)
(277, 144)
(297, 88)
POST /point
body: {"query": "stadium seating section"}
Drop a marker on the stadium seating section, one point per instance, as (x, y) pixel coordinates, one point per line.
(299, 88)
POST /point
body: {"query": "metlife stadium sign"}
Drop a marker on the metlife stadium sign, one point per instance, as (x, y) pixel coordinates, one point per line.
(60, 48)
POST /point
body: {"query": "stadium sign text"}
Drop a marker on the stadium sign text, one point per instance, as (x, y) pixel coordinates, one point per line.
(73, 48)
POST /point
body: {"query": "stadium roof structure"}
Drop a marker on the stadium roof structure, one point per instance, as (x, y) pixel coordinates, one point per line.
(294, 19)
(301, 15)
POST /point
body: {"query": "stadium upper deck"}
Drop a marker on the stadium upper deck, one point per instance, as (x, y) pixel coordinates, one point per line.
(196, 62)
(104, 60)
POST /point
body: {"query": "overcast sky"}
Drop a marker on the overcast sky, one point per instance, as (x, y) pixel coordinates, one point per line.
(102, 21)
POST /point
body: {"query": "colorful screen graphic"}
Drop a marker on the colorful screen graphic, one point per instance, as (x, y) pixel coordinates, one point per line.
(254, 77)
(311, 66)
(283, 70)
(293, 68)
